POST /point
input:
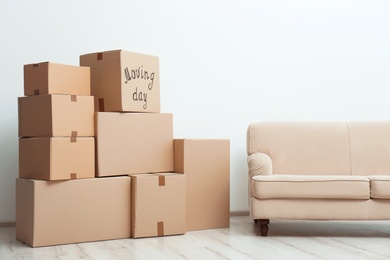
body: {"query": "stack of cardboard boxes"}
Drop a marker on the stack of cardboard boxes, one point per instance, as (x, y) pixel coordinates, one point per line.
(136, 181)
(58, 198)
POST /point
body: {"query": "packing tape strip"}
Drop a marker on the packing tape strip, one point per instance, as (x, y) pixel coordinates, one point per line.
(73, 98)
(36, 92)
(99, 55)
(101, 104)
(73, 137)
(160, 228)
(73, 175)
(161, 180)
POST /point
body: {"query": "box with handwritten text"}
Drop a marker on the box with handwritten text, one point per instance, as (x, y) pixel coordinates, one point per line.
(124, 81)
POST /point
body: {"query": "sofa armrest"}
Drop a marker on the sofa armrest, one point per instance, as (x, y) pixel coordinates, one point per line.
(259, 164)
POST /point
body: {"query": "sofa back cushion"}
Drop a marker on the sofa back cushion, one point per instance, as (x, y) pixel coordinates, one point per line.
(319, 148)
(370, 147)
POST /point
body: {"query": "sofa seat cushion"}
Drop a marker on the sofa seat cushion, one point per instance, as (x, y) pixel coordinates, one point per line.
(380, 186)
(278, 186)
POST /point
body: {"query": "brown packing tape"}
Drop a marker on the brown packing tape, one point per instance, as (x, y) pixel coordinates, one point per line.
(161, 180)
(73, 137)
(73, 175)
(73, 98)
(99, 55)
(160, 228)
(36, 92)
(101, 104)
(35, 65)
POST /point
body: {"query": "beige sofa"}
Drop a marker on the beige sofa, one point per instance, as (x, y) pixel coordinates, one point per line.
(318, 170)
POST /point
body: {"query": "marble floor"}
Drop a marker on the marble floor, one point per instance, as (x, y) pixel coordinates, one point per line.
(287, 240)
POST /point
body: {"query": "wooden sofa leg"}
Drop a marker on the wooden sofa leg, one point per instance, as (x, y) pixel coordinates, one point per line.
(263, 227)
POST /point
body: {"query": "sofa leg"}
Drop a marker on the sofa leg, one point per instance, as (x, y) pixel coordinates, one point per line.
(263, 227)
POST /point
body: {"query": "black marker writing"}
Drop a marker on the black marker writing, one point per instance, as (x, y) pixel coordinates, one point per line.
(139, 96)
(139, 73)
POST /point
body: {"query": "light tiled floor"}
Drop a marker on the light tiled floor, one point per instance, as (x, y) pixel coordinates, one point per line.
(287, 240)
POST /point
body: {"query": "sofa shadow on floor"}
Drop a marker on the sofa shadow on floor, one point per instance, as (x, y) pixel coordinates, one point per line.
(326, 228)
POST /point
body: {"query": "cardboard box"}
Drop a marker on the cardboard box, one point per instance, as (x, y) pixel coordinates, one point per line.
(62, 212)
(158, 204)
(56, 158)
(132, 143)
(206, 163)
(53, 78)
(56, 115)
(124, 81)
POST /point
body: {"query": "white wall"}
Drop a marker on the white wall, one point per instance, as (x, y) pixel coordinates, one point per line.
(223, 64)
